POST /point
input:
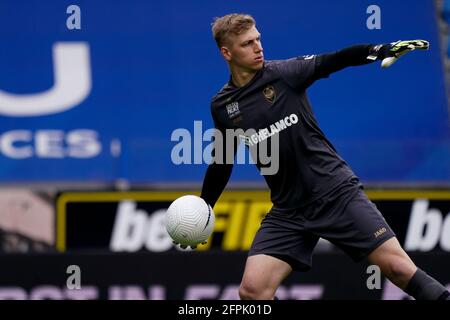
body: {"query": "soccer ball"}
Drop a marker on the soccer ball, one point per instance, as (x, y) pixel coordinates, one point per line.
(189, 221)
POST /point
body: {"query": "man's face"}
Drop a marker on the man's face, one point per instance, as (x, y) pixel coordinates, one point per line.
(245, 50)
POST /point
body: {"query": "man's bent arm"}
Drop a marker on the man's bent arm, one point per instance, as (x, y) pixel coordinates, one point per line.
(215, 181)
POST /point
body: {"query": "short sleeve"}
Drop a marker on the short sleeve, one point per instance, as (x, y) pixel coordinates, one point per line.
(298, 72)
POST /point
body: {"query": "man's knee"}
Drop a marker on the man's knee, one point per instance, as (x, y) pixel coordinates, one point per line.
(400, 270)
(246, 292)
(394, 262)
(251, 291)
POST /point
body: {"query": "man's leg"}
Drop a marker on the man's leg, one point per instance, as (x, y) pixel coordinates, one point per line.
(353, 223)
(262, 276)
(397, 266)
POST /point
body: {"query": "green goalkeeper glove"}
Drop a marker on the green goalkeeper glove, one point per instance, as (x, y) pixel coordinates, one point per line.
(389, 53)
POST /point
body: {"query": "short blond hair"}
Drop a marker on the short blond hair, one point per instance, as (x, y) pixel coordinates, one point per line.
(234, 23)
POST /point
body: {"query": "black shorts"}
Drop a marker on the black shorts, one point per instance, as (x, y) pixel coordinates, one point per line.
(346, 218)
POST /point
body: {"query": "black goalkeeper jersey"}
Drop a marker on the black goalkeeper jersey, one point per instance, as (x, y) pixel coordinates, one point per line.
(275, 102)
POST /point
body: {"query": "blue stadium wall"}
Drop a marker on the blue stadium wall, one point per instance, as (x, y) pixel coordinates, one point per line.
(153, 67)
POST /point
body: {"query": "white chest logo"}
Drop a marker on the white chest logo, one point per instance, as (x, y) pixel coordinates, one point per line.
(233, 109)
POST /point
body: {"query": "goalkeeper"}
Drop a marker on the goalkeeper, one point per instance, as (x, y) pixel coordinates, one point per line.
(314, 192)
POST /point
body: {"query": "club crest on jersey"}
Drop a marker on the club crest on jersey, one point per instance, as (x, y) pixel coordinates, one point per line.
(270, 94)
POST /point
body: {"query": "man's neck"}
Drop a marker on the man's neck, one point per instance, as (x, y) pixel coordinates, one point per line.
(240, 77)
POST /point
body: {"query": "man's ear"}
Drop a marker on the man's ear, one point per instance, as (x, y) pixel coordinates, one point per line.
(225, 53)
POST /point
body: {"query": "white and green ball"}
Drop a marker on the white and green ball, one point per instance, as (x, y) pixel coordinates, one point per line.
(190, 220)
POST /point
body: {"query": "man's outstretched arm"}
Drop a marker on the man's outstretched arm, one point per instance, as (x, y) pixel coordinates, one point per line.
(329, 63)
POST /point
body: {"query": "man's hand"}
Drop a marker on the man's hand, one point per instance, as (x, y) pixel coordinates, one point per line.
(389, 53)
(186, 246)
